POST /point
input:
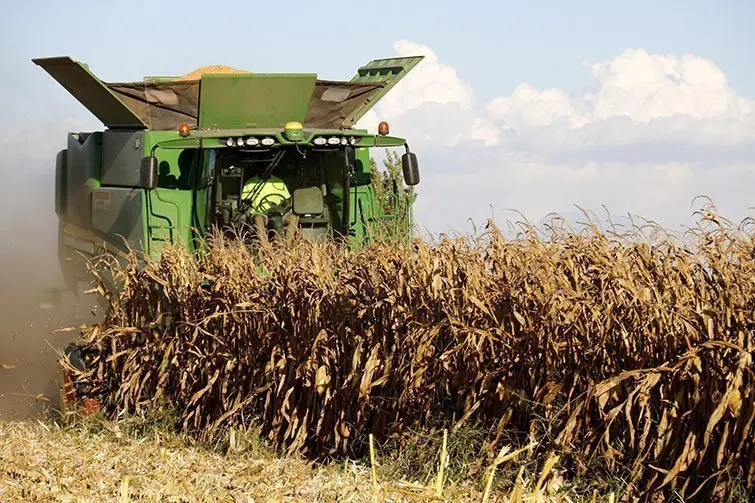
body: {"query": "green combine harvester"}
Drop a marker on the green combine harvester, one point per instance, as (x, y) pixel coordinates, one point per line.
(276, 154)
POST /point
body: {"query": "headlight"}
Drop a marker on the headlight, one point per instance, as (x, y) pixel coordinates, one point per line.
(353, 140)
(320, 141)
(344, 141)
(268, 141)
(252, 142)
(240, 142)
(229, 142)
(334, 140)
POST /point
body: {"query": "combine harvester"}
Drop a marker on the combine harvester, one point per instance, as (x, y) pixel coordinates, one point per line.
(177, 152)
(181, 156)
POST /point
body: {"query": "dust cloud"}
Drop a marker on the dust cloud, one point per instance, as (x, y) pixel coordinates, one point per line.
(29, 375)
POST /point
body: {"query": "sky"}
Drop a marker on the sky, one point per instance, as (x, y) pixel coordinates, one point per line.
(538, 107)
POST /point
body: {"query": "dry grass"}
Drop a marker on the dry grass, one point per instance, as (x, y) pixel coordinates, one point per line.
(106, 461)
(624, 356)
(43, 463)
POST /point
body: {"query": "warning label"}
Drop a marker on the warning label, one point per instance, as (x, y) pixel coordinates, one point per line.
(100, 199)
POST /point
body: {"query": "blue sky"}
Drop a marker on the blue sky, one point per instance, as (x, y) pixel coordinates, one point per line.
(494, 45)
(506, 79)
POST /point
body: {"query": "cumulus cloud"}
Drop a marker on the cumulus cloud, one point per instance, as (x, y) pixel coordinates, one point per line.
(436, 83)
(637, 99)
(646, 135)
(528, 106)
(640, 86)
(434, 102)
(646, 86)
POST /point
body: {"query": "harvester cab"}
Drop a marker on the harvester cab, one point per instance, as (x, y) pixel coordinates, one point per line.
(220, 148)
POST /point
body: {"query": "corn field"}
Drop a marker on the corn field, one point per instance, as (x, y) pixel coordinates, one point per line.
(620, 352)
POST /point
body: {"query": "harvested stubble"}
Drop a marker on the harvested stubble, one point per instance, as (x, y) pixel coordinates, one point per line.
(627, 356)
(120, 461)
(40, 462)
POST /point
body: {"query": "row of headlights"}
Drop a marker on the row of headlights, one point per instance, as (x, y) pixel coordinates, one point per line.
(249, 142)
(335, 140)
(268, 141)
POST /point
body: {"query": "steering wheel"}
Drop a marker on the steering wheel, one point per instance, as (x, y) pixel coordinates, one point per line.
(279, 208)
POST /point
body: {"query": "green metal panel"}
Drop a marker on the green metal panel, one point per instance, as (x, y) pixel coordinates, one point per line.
(168, 211)
(390, 70)
(169, 219)
(84, 160)
(117, 214)
(122, 153)
(91, 92)
(254, 100)
(217, 138)
(61, 169)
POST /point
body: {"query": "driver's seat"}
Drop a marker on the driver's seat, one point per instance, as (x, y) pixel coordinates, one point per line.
(309, 205)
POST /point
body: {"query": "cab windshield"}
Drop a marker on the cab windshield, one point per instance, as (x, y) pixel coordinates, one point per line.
(238, 176)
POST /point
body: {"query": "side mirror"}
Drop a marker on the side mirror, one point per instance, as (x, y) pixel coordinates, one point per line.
(410, 167)
(148, 173)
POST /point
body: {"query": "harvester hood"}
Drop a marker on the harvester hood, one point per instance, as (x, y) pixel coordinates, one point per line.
(230, 101)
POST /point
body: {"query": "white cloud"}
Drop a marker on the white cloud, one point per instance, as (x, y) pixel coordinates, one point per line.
(433, 103)
(649, 134)
(640, 86)
(434, 83)
(528, 106)
(646, 87)
(663, 192)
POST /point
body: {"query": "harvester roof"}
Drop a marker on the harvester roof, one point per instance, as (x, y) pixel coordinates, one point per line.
(225, 98)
